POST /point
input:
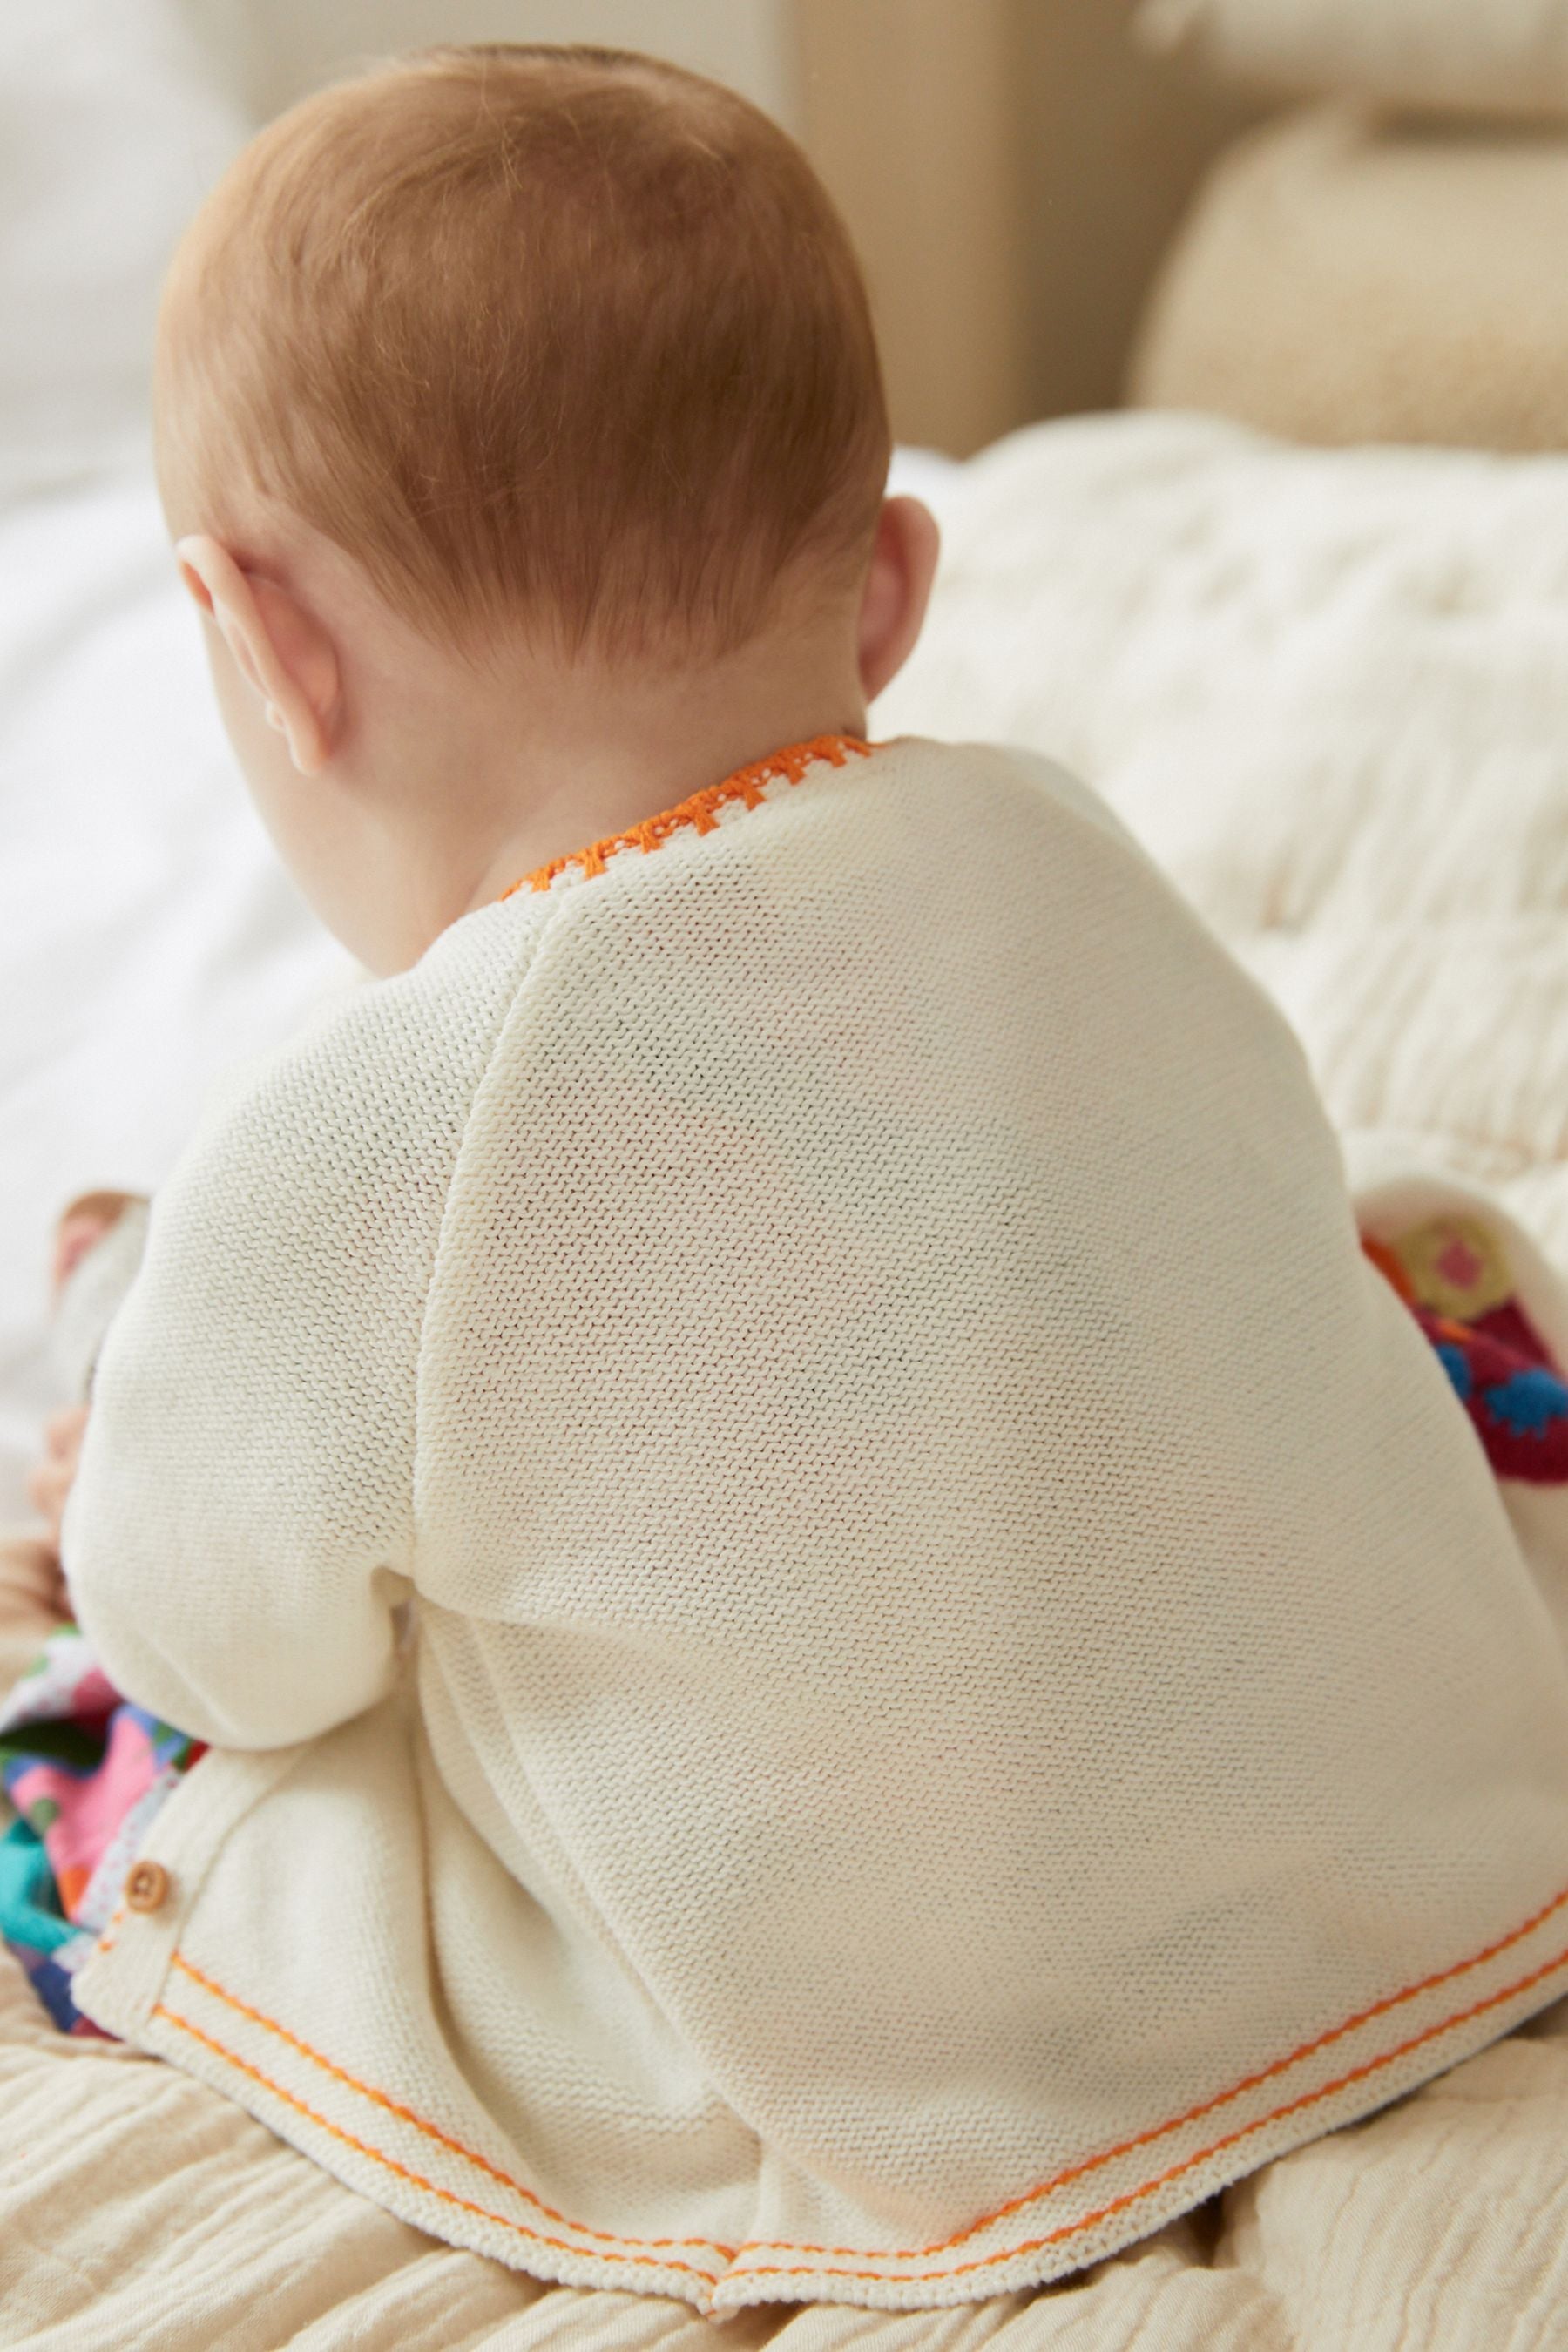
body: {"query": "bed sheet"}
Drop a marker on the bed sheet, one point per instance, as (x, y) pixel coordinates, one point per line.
(148, 937)
(151, 2213)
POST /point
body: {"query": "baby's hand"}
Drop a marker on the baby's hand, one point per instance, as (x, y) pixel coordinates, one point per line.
(51, 1481)
(32, 1590)
(81, 1227)
(84, 1223)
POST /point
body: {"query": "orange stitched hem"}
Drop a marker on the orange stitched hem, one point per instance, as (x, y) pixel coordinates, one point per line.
(701, 811)
(1030, 2196)
(1226, 2098)
(432, 2131)
(416, 2180)
(1231, 2139)
(1010, 2254)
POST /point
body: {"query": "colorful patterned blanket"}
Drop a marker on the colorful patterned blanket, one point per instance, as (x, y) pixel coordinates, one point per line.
(86, 1771)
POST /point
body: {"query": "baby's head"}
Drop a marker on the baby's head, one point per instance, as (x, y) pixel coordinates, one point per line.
(521, 429)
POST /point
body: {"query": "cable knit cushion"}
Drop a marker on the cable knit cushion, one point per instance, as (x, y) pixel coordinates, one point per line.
(1477, 57)
(1343, 280)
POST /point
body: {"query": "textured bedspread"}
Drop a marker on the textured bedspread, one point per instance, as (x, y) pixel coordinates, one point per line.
(138, 2209)
(1331, 692)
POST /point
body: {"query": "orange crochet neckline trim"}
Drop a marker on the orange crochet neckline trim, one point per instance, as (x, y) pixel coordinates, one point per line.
(701, 811)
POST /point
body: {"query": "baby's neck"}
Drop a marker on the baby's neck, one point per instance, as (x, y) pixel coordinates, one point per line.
(595, 753)
(456, 781)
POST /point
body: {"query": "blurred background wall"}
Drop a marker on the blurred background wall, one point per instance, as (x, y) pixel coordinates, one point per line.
(1013, 171)
(288, 45)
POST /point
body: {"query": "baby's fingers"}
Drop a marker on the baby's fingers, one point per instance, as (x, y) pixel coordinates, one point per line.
(48, 1487)
(30, 1583)
(81, 1228)
(63, 1432)
(51, 1482)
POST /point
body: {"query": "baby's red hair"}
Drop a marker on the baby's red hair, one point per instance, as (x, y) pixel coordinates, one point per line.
(558, 337)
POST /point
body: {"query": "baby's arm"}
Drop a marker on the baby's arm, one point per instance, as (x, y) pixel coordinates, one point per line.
(240, 1534)
(235, 1539)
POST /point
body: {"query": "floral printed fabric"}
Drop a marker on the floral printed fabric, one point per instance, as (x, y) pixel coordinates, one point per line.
(1453, 1275)
(86, 1771)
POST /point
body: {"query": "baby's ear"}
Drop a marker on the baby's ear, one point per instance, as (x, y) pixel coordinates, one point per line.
(279, 648)
(897, 591)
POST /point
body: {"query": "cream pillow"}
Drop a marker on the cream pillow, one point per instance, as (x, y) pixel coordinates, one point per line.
(1479, 56)
(1343, 279)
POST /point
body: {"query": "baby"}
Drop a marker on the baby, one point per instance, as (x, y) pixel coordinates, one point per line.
(849, 1650)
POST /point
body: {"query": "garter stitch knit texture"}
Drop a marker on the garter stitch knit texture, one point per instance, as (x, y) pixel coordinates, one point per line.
(970, 1679)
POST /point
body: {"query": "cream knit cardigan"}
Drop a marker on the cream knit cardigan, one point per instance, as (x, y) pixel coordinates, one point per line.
(969, 1682)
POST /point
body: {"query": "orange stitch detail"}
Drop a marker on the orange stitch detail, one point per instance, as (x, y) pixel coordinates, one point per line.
(1206, 2106)
(1132, 2196)
(1010, 2254)
(106, 1941)
(432, 2131)
(701, 811)
(1045, 2189)
(416, 2179)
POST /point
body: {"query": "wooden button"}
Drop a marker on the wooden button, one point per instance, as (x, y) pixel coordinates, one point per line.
(147, 1887)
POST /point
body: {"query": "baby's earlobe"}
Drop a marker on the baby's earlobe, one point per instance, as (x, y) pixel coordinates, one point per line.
(195, 587)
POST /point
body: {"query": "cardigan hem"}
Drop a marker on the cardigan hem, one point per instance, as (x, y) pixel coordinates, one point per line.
(1091, 2209)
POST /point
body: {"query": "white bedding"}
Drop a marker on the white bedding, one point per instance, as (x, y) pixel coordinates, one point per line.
(147, 936)
(151, 2216)
(1330, 691)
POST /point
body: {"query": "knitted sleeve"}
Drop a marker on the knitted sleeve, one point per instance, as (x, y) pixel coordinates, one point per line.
(240, 1530)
